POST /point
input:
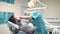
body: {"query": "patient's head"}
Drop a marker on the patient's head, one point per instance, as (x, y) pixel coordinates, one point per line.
(14, 20)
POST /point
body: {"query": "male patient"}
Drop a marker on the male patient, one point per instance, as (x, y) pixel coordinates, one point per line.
(23, 29)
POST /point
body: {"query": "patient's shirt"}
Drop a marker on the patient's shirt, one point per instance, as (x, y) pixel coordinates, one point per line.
(23, 22)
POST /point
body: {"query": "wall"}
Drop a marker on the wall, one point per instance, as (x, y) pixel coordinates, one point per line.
(6, 7)
(11, 7)
(53, 10)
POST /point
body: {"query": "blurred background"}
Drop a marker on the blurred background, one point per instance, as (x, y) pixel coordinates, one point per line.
(51, 14)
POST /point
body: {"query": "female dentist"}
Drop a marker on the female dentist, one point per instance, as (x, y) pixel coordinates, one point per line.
(37, 20)
(35, 17)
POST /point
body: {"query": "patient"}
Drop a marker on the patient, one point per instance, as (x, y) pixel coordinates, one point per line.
(24, 28)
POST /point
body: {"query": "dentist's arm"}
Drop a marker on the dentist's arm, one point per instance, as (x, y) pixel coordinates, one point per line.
(25, 17)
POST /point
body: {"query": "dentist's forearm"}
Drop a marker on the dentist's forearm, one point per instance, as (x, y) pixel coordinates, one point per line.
(25, 17)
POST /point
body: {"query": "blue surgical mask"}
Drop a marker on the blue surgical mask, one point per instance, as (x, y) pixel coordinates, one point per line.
(27, 14)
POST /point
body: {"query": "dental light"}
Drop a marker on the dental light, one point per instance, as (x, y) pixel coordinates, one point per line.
(31, 4)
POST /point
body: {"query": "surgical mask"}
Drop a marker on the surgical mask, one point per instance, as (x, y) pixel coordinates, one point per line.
(27, 14)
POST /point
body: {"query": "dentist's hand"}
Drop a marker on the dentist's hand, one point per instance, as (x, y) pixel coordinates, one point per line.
(20, 17)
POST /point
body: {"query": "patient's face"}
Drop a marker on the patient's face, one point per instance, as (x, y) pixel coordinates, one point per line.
(14, 19)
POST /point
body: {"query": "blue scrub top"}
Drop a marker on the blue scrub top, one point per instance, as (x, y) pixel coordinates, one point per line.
(38, 22)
